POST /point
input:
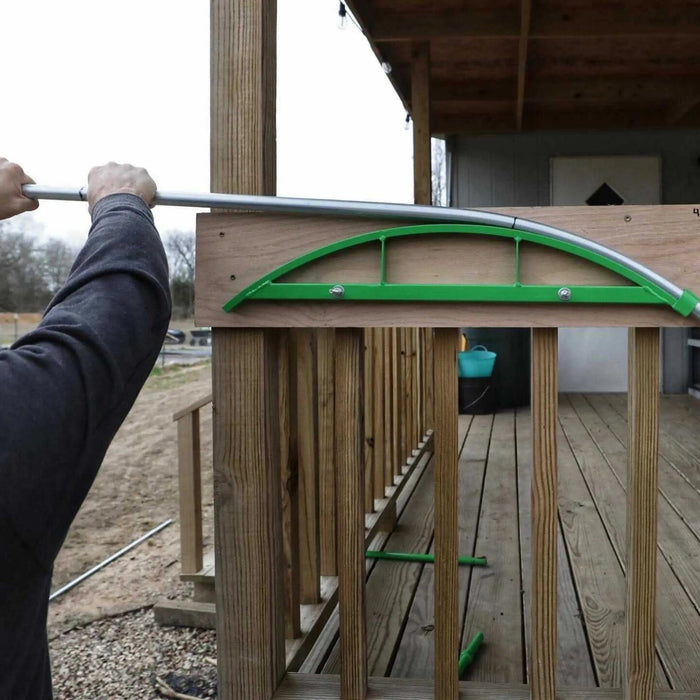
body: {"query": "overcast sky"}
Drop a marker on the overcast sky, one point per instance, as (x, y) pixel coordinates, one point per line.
(86, 81)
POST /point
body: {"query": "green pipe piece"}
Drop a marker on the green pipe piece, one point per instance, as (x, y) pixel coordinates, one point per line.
(427, 558)
(467, 656)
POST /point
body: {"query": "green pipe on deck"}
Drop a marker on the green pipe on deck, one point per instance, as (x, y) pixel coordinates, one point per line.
(467, 656)
(427, 558)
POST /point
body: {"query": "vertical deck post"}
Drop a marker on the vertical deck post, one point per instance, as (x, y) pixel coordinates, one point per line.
(642, 505)
(309, 534)
(446, 487)
(349, 433)
(247, 502)
(368, 392)
(190, 476)
(248, 514)
(289, 471)
(544, 514)
(325, 363)
(378, 379)
(389, 410)
(395, 405)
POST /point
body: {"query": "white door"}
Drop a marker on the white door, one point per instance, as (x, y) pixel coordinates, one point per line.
(595, 359)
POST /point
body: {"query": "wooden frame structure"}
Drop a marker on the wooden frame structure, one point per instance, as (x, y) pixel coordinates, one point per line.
(255, 378)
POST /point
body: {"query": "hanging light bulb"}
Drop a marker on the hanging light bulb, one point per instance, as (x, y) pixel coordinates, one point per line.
(407, 122)
(342, 16)
(386, 67)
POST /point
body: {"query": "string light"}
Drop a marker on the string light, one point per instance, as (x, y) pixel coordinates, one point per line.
(407, 122)
(342, 16)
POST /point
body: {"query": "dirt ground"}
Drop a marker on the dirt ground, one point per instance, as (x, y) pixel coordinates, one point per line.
(136, 490)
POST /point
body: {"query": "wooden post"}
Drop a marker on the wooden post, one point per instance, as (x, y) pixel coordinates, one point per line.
(248, 514)
(309, 534)
(289, 470)
(396, 419)
(378, 379)
(544, 514)
(368, 384)
(446, 543)
(349, 432)
(420, 113)
(247, 502)
(190, 470)
(325, 363)
(642, 504)
(389, 408)
(428, 373)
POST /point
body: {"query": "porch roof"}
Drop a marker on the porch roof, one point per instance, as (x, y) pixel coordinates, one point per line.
(522, 65)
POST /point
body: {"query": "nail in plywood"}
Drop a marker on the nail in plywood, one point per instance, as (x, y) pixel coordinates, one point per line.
(446, 484)
(544, 514)
(250, 620)
(349, 432)
(309, 536)
(642, 504)
(325, 359)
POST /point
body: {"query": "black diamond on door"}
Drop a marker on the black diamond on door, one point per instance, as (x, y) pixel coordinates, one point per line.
(604, 196)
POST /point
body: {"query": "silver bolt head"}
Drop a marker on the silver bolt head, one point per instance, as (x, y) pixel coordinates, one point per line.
(564, 294)
(337, 292)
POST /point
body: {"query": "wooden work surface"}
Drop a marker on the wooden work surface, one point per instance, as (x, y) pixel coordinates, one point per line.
(494, 517)
(234, 250)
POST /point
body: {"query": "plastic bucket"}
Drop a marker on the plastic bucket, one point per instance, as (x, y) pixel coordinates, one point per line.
(477, 362)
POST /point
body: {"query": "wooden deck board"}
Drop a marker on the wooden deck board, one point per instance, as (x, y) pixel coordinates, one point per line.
(494, 599)
(416, 650)
(678, 628)
(494, 511)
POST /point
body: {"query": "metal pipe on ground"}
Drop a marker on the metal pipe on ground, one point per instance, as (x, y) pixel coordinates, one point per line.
(109, 560)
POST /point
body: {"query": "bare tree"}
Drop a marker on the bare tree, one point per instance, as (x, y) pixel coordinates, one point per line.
(439, 172)
(57, 258)
(180, 247)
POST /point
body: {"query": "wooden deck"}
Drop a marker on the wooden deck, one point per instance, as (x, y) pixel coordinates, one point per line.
(494, 516)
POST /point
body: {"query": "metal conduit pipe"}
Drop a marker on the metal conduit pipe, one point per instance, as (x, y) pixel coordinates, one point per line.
(376, 210)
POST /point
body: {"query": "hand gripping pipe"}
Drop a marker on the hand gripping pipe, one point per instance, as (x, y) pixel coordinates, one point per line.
(378, 210)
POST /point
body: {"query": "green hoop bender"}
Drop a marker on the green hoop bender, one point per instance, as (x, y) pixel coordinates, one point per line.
(647, 287)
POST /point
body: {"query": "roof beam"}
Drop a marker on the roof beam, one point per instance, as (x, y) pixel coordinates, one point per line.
(575, 90)
(570, 120)
(615, 21)
(525, 17)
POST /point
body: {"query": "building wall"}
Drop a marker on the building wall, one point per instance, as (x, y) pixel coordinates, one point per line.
(514, 170)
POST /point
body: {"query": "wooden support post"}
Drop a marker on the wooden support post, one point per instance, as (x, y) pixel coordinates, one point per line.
(389, 410)
(642, 504)
(428, 373)
(396, 413)
(420, 113)
(446, 543)
(349, 433)
(249, 590)
(544, 514)
(309, 534)
(402, 403)
(378, 376)
(190, 476)
(368, 385)
(289, 470)
(247, 501)
(325, 364)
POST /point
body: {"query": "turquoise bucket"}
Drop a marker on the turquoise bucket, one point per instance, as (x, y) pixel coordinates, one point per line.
(477, 362)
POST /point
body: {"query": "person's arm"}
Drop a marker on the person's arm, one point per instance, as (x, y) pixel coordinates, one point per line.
(67, 386)
(12, 199)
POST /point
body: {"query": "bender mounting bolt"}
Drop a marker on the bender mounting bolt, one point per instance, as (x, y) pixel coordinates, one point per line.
(337, 292)
(564, 294)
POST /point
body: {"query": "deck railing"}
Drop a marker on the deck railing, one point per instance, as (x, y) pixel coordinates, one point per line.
(284, 273)
(390, 371)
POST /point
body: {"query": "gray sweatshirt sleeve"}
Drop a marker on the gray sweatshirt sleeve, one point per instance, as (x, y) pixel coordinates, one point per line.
(66, 387)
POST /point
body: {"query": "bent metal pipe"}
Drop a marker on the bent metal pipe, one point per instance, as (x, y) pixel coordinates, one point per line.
(375, 210)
